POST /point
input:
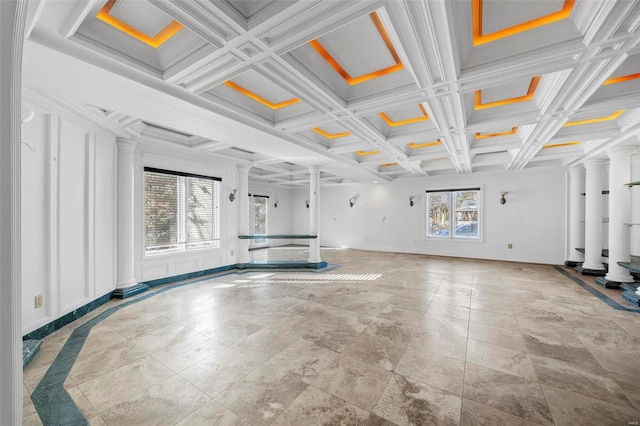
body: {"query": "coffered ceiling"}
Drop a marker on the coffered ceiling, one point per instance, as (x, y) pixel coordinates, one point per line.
(368, 90)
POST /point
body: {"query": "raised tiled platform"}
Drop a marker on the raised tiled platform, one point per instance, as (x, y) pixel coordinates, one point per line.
(281, 264)
(278, 237)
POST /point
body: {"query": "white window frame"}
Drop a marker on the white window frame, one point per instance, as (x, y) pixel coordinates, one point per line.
(183, 246)
(450, 236)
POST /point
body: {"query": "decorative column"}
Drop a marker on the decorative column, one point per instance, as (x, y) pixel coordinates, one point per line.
(12, 26)
(127, 284)
(594, 206)
(314, 214)
(635, 204)
(576, 215)
(619, 217)
(243, 212)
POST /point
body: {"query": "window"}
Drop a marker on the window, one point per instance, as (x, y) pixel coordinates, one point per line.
(453, 213)
(258, 207)
(181, 211)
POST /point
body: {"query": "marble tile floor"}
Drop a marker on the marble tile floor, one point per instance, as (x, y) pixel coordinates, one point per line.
(383, 339)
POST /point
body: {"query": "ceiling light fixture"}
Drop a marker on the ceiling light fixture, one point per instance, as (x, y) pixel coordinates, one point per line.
(532, 89)
(557, 145)
(260, 99)
(154, 41)
(493, 135)
(477, 15)
(330, 135)
(621, 79)
(365, 153)
(393, 123)
(595, 120)
(369, 76)
(423, 145)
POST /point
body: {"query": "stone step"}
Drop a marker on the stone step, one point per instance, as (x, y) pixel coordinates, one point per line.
(629, 287)
(632, 297)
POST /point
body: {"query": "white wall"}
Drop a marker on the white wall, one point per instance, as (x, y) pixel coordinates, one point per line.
(161, 266)
(68, 216)
(533, 219)
(69, 199)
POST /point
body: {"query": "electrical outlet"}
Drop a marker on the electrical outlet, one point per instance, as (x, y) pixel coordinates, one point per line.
(38, 301)
(510, 246)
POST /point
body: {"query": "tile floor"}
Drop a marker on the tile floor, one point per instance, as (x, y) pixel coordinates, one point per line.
(383, 339)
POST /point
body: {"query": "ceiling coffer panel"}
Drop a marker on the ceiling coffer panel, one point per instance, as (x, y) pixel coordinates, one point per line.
(139, 34)
(356, 60)
(372, 91)
(254, 92)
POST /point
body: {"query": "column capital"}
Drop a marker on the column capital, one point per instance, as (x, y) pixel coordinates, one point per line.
(596, 162)
(243, 167)
(625, 151)
(126, 144)
(314, 168)
(577, 170)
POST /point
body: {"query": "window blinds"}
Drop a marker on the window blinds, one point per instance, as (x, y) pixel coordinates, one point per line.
(182, 211)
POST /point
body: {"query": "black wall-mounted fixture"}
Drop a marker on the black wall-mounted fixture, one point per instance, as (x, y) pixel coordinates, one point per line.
(307, 203)
(411, 201)
(352, 201)
(232, 196)
(503, 200)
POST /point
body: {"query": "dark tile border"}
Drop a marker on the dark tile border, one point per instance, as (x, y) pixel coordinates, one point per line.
(144, 286)
(603, 297)
(51, 400)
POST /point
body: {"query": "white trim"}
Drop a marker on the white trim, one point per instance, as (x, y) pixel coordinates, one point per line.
(12, 27)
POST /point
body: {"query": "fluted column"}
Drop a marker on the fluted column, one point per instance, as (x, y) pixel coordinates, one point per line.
(619, 217)
(12, 25)
(594, 206)
(314, 213)
(126, 217)
(635, 204)
(243, 212)
(576, 215)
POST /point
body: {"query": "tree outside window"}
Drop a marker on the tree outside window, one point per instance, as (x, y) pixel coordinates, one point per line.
(453, 214)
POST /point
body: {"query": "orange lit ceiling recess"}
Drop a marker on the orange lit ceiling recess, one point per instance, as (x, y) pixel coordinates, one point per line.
(365, 153)
(621, 79)
(527, 97)
(154, 41)
(330, 135)
(480, 38)
(493, 135)
(260, 99)
(392, 123)
(423, 145)
(557, 145)
(366, 77)
(388, 164)
(595, 120)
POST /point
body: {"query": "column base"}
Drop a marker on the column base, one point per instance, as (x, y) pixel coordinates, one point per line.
(604, 282)
(591, 272)
(573, 263)
(123, 293)
(30, 349)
